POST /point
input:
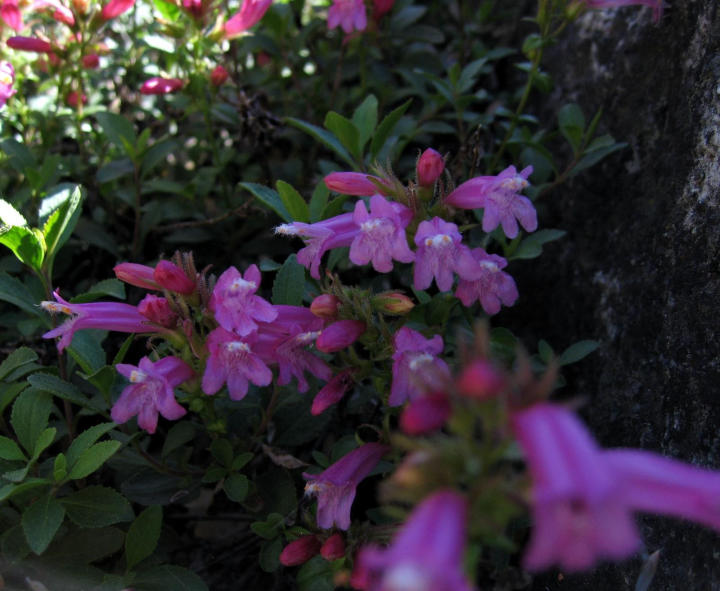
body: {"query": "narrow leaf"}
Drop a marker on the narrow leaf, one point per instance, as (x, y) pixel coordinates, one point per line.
(143, 535)
(365, 119)
(322, 136)
(386, 127)
(17, 358)
(293, 201)
(270, 198)
(289, 283)
(345, 131)
(92, 458)
(578, 351)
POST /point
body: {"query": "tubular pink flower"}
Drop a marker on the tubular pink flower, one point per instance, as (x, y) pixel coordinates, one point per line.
(7, 79)
(335, 232)
(354, 183)
(151, 391)
(430, 166)
(349, 14)
(115, 8)
(339, 335)
(332, 392)
(336, 486)
(137, 275)
(426, 553)
(498, 195)
(425, 413)
(491, 287)
(29, 44)
(250, 13)
(11, 15)
(171, 277)
(381, 238)
(235, 304)
(232, 360)
(439, 253)
(102, 315)
(416, 367)
(578, 508)
(656, 5)
(160, 85)
(300, 551)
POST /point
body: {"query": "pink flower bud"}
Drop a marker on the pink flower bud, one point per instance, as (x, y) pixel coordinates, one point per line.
(158, 310)
(333, 548)
(137, 275)
(29, 44)
(91, 61)
(218, 76)
(393, 302)
(425, 414)
(430, 166)
(332, 392)
(11, 15)
(382, 7)
(300, 551)
(339, 335)
(250, 13)
(169, 276)
(72, 99)
(160, 85)
(325, 306)
(115, 8)
(354, 183)
(481, 380)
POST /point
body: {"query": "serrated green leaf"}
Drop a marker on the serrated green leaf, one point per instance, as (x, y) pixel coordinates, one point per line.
(345, 131)
(58, 387)
(24, 244)
(10, 216)
(578, 351)
(85, 439)
(293, 202)
(20, 157)
(365, 119)
(386, 127)
(168, 577)
(81, 547)
(236, 487)
(40, 522)
(531, 247)
(97, 506)
(322, 136)
(92, 458)
(18, 358)
(270, 198)
(289, 283)
(118, 130)
(44, 441)
(143, 535)
(29, 416)
(87, 350)
(318, 201)
(9, 450)
(316, 575)
(10, 490)
(14, 292)
(9, 392)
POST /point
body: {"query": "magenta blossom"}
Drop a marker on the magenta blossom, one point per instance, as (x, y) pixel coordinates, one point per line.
(101, 315)
(349, 14)
(11, 15)
(232, 360)
(235, 304)
(382, 234)
(336, 486)
(332, 392)
(427, 552)
(151, 391)
(160, 85)
(354, 183)
(492, 287)
(7, 79)
(115, 8)
(339, 335)
(158, 311)
(29, 44)
(425, 413)
(429, 167)
(439, 253)
(169, 276)
(656, 5)
(335, 232)
(416, 366)
(137, 275)
(498, 195)
(250, 14)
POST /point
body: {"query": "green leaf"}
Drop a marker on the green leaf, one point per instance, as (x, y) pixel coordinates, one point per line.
(222, 451)
(20, 157)
(322, 136)
(58, 387)
(545, 351)
(289, 283)
(86, 349)
(30, 415)
(97, 506)
(345, 131)
(269, 528)
(10, 490)
(60, 468)
(118, 130)
(143, 535)
(236, 487)
(531, 247)
(168, 577)
(386, 127)
(365, 119)
(44, 441)
(598, 149)
(241, 460)
(293, 201)
(316, 575)
(578, 351)
(17, 358)
(270, 555)
(40, 523)
(25, 244)
(572, 125)
(107, 287)
(15, 292)
(9, 450)
(10, 216)
(178, 435)
(61, 223)
(92, 458)
(115, 169)
(9, 392)
(81, 547)
(85, 440)
(270, 198)
(156, 154)
(318, 201)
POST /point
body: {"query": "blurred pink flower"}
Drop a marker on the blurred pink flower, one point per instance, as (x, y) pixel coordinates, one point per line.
(332, 392)
(11, 15)
(115, 8)
(160, 85)
(250, 13)
(416, 366)
(7, 79)
(218, 76)
(425, 413)
(381, 7)
(349, 14)
(30, 44)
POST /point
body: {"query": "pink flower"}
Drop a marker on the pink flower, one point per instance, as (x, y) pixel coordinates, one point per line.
(102, 315)
(332, 392)
(354, 183)
(160, 85)
(137, 275)
(416, 367)
(492, 287)
(656, 5)
(151, 391)
(481, 380)
(218, 76)
(579, 512)
(427, 552)
(61, 12)
(7, 79)
(439, 253)
(300, 551)
(336, 486)
(250, 13)
(339, 335)
(349, 14)
(320, 237)
(430, 166)
(499, 196)
(235, 304)
(195, 8)
(90, 61)
(10, 13)
(171, 277)
(232, 360)
(425, 413)
(115, 8)
(29, 44)
(381, 238)
(334, 547)
(158, 311)
(382, 7)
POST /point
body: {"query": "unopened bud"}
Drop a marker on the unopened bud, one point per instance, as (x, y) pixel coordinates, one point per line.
(430, 166)
(332, 392)
(300, 551)
(80, 6)
(169, 276)
(325, 306)
(333, 548)
(91, 61)
(355, 183)
(480, 379)
(339, 335)
(158, 310)
(218, 76)
(73, 99)
(393, 302)
(425, 414)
